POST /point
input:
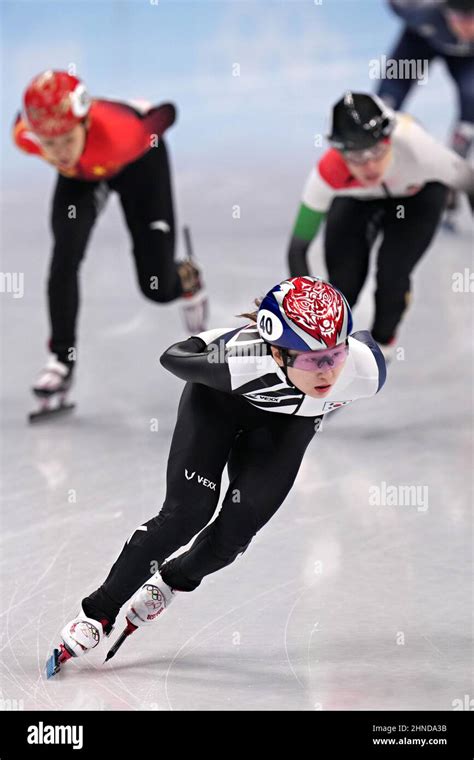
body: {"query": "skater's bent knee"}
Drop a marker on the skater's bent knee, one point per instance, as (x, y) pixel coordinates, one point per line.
(173, 576)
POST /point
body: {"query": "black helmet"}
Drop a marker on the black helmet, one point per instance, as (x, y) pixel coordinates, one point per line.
(359, 121)
(461, 6)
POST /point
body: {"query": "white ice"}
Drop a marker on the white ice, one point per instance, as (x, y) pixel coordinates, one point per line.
(337, 604)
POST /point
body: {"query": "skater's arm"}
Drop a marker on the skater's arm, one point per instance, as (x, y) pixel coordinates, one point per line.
(365, 337)
(124, 132)
(196, 361)
(441, 164)
(160, 118)
(157, 118)
(305, 230)
(316, 199)
(24, 138)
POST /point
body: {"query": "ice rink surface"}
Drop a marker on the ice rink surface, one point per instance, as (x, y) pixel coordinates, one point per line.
(338, 603)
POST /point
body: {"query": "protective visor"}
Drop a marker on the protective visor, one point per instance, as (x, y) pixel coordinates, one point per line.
(312, 361)
(368, 154)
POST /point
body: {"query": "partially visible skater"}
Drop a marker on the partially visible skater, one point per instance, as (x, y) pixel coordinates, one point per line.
(382, 174)
(436, 30)
(254, 398)
(98, 146)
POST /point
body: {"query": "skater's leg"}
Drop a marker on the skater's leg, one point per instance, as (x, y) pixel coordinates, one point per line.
(461, 70)
(205, 430)
(146, 196)
(404, 242)
(74, 211)
(262, 468)
(410, 47)
(347, 244)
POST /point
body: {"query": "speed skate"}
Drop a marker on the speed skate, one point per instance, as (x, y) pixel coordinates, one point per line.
(51, 405)
(78, 637)
(51, 390)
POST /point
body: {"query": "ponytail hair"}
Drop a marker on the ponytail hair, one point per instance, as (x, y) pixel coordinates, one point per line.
(252, 315)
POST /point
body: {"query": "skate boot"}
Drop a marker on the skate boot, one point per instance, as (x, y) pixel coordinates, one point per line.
(150, 601)
(78, 636)
(153, 598)
(51, 389)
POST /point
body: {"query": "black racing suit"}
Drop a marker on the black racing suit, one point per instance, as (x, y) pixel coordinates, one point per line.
(351, 228)
(217, 425)
(144, 189)
(263, 452)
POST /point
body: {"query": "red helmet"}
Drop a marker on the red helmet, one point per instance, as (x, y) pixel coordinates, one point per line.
(55, 102)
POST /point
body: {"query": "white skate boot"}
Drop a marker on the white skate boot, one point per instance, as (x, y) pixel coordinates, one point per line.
(149, 601)
(78, 636)
(153, 598)
(51, 389)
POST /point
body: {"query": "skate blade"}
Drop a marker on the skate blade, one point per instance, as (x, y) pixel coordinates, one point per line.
(195, 311)
(53, 664)
(47, 413)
